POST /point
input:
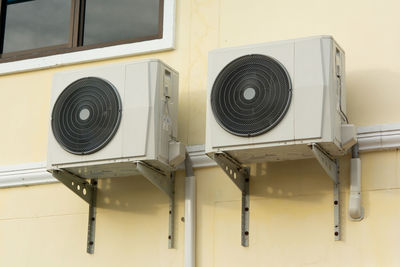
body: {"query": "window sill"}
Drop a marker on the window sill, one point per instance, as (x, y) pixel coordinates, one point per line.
(166, 43)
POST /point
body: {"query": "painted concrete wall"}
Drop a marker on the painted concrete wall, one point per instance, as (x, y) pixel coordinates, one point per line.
(291, 202)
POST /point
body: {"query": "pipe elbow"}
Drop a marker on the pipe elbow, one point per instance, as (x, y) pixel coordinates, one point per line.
(356, 211)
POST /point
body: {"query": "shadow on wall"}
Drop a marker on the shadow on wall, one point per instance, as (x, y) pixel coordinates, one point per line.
(372, 96)
(130, 194)
(289, 179)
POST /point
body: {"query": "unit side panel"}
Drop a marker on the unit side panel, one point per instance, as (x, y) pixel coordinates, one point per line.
(174, 102)
(331, 140)
(309, 89)
(136, 110)
(153, 131)
(161, 123)
(340, 76)
(340, 60)
(165, 91)
(329, 93)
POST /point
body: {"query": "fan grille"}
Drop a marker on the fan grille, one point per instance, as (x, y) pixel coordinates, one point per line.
(86, 115)
(251, 95)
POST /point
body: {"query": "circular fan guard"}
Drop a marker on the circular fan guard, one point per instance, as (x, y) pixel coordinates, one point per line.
(86, 115)
(251, 95)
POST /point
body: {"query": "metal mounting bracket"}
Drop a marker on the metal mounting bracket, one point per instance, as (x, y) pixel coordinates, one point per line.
(166, 183)
(88, 192)
(240, 176)
(331, 166)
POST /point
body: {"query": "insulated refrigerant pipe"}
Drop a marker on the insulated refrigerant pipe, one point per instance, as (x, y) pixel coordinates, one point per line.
(190, 214)
(356, 211)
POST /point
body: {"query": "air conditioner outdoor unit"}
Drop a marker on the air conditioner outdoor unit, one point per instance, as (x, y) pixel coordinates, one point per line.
(270, 101)
(105, 119)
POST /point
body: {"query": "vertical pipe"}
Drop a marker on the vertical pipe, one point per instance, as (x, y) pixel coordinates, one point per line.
(356, 211)
(190, 214)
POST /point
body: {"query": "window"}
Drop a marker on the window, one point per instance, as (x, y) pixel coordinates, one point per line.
(37, 28)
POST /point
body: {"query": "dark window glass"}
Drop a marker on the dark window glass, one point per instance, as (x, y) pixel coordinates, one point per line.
(107, 21)
(34, 28)
(36, 24)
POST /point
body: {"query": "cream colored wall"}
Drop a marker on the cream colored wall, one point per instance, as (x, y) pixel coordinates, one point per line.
(291, 202)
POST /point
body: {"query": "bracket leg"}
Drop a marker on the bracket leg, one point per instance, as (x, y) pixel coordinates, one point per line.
(331, 167)
(171, 212)
(240, 176)
(336, 210)
(86, 191)
(166, 183)
(245, 211)
(92, 218)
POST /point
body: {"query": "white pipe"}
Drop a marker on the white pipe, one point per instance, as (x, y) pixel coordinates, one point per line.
(190, 221)
(190, 214)
(25, 178)
(356, 211)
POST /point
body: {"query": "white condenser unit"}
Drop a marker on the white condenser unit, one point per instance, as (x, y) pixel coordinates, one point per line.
(271, 101)
(103, 120)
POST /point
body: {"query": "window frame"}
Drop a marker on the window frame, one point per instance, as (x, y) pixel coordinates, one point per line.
(40, 51)
(65, 54)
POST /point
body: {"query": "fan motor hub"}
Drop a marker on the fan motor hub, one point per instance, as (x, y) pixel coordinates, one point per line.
(84, 114)
(249, 93)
